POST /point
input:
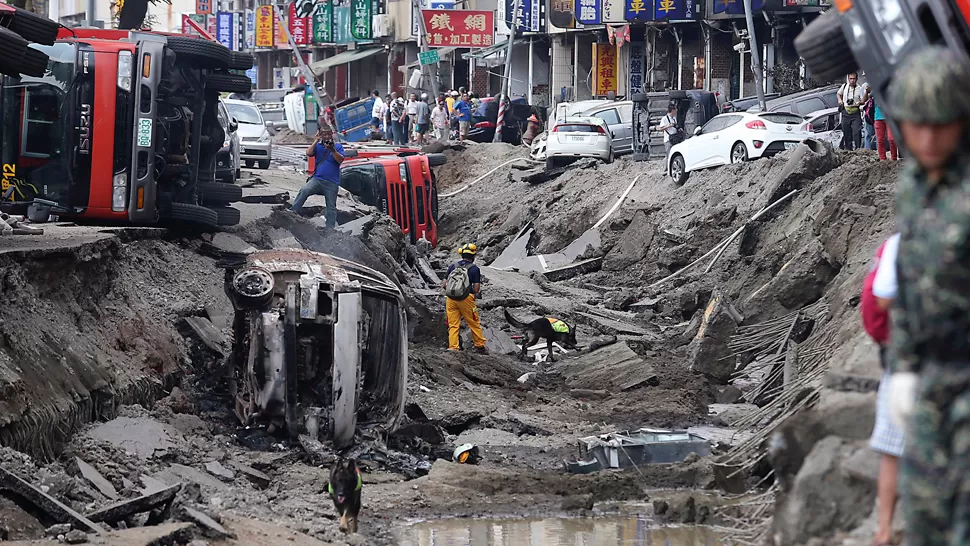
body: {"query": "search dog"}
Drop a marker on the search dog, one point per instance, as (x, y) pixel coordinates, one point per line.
(542, 328)
(345, 489)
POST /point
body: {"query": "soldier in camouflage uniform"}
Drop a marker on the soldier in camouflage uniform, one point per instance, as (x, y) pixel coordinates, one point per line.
(930, 100)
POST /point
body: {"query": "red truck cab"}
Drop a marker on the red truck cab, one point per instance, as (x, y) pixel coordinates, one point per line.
(123, 128)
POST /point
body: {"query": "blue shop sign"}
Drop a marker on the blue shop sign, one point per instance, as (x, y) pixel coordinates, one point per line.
(588, 12)
(640, 10)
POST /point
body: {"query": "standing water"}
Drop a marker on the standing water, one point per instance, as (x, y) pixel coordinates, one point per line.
(598, 531)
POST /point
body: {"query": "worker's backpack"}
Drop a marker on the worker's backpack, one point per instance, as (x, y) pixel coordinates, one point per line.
(459, 285)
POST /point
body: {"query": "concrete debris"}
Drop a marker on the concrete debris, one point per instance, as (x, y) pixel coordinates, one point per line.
(259, 479)
(227, 243)
(633, 244)
(120, 510)
(59, 529)
(614, 326)
(203, 330)
(96, 479)
(179, 473)
(54, 509)
(709, 354)
(210, 527)
(76, 537)
(615, 368)
(143, 437)
(216, 469)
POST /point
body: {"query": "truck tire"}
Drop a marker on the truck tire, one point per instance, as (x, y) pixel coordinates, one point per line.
(436, 160)
(228, 83)
(196, 214)
(239, 60)
(33, 27)
(217, 193)
(825, 48)
(33, 63)
(228, 216)
(198, 52)
(12, 50)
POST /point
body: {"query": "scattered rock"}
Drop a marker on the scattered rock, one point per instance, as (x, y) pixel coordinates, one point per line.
(259, 479)
(577, 502)
(589, 394)
(709, 346)
(691, 458)
(178, 402)
(210, 527)
(76, 537)
(862, 465)
(729, 395)
(660, 507)
(218, 470)
(58, 529)
(633, 244)
(683, 511)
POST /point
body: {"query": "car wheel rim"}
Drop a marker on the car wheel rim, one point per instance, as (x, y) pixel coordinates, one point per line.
(676, 170)
(738, 155)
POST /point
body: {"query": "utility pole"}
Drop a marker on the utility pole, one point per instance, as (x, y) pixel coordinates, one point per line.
(755, 59)
(90, 13)
(507, 81)
(423, 40)
(307, 73)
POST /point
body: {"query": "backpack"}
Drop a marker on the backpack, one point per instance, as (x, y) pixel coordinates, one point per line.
(459, 285)
(869, 112)
(874, 319)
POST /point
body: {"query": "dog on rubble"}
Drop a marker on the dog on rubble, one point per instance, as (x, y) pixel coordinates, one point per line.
(345, 489)
(548, 328)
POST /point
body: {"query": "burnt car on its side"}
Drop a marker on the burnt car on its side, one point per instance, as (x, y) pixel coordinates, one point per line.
(319, 345)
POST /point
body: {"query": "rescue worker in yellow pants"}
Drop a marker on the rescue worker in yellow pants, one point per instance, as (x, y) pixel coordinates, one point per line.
(462, 283)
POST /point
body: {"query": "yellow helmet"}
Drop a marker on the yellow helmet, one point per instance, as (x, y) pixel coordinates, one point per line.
(470, 248)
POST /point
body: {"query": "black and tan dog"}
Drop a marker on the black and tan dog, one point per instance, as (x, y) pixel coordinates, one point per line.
(345, 489)
(548, 328)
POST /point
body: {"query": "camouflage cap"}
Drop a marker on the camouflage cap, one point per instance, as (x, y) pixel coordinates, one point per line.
(931, 86)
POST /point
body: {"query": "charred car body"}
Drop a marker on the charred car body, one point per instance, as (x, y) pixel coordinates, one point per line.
(319, 345)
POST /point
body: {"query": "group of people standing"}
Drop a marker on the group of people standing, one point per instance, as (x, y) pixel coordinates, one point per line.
(415, 120)
(863, 121)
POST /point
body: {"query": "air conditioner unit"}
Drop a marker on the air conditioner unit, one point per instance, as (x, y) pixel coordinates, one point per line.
(382, 26)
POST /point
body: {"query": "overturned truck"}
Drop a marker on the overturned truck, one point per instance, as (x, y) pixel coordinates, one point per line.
(319, 345)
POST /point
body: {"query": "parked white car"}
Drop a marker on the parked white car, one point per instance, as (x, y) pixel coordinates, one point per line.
(576, 137)
(736, 137)
(826, 125)
(257, 145)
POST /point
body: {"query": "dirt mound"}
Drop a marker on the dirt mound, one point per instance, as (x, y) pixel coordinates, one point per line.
(286, 136)
(464, 166)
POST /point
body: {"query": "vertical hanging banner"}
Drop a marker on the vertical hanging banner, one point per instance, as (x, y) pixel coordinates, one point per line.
(639, 10)
(341, 22)
(459, 28)
(588, 12)
(637, 65)
(605, 62)
(612, 11)
(224, 28)
(211, 25)
(360, 19)
(298, 27)
(281, 34)
(264, 26)
(250, 32)
(323, 23)
(203, 7)
(522, 16)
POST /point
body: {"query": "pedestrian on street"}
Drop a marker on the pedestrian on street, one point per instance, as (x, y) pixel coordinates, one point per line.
(412, 123)
(388, 123)
(462, 285)
(422, 116)
(930, 360)
(464, 112)
(878, 292)
(450, 102)
(869, 125)
(377, 111)
(439, 119)
(884, 133)
(328, 156)
(532, 131)
(668, 124)
(399, 120)
(852, 97)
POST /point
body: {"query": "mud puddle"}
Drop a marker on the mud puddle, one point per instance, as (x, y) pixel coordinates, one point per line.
(628, 530)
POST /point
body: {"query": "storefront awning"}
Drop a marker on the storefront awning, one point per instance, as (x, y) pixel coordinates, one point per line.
(350, 56)
(491, 50)
(442, 53)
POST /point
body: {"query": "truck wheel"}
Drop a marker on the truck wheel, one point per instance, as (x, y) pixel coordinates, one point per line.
(33, 63)
(825, 48)
(239, 60)
(198, 52)
(228, 216)
(263, 163)
(196, 214)
(228, 83)
(12, 49)
(436, 160)
(33, 27)
(217, 193)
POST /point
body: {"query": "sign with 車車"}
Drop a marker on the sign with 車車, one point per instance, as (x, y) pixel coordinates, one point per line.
(606, 68)
(264, 26)
(640, 10)
(459, 28)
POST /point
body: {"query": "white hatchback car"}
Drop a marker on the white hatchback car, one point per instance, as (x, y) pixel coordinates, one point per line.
(736, 137)
(575, 137)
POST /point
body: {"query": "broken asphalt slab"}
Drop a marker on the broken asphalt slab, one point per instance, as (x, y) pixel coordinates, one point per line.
(166, 534)
(121, 510)
(54, 508)
(96, 479)
(614, 368)
(140, 436)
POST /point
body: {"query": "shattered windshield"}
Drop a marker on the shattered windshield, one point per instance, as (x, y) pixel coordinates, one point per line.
(36, 136)
(245, 113)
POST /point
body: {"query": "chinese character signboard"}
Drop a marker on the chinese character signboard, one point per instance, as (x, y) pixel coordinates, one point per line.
(459, 28)
(640, 10)
(211, 25)
(298, 27)
(224, 28)
(522, 15)
(562, 13)
(341, 22)
(323, 23)
(612, 11)
(360, 19)
(281, 34)
(606, 72)
(734, 7)
(674, 10)
(264, 26)
(588, 12)
(203, 7)
(637, 62)
(250, 33)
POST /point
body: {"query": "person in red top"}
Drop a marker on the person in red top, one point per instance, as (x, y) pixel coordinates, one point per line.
(878, 292)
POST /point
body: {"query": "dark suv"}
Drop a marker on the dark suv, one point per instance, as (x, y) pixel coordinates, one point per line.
(803, 103)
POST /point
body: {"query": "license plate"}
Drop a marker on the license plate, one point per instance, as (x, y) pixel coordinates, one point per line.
(578, 139)
(790, 145)
(144, 132)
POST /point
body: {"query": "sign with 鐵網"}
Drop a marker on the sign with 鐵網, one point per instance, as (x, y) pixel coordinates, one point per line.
(588, 12)
(264, 26)
(639, 10)
(360, 19)
(298, 27)
(459, 28)
(323, 23)
(605, 68)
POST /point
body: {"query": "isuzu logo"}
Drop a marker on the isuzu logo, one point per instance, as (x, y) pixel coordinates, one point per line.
(84, 129)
